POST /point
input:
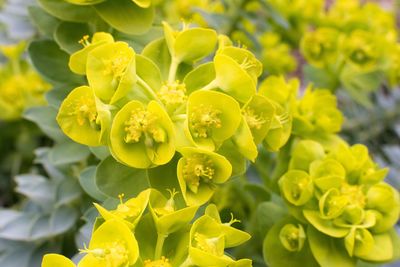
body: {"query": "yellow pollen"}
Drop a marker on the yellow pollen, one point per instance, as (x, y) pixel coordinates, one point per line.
(85, 111)
(198, 168)
(163, 262)
(117, 65)
(125, 211)
(353, 194)
(173, 93)
(253, 120)
(203, 120)
(121, 196)
(84, 41)
(141, 123)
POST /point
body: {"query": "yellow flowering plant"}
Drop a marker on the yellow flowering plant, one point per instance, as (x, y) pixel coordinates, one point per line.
(191, 152)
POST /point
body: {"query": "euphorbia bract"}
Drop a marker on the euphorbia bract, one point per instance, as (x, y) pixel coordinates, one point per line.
(179, 116)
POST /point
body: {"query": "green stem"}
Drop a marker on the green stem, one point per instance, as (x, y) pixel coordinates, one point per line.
(188, 262)
(147, 88)
(173, 69)
(15, 65)
(212, 85)
(179, 117)
(282, 165)
(159, 246)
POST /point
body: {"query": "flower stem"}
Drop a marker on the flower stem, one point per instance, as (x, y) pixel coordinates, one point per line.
(159, 246)
(212, 85)
(179, 117)
(173, 69)
(147, 88)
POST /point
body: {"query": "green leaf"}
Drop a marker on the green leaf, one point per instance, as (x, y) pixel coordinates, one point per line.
(194, 44)
(45, 23)
(52, 63)
(268, 214)
(126, 16)
(148, 72)
(57, 95)
(101, 152)
(325, 226)
(164, 177)
(68, 152)
(87, 179)
(68, 191)
(320, 77)
(382, 250)
(68, 12)
(199, 77)
(44, 117)
(276, 255)
(158, 52)
(328, 251)
(37, 188)
(113, 178)
(35, 226)
(68, 34)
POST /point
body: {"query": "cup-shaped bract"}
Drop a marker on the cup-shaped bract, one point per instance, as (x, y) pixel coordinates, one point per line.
(244, 142)
(280, 129)
(327, 174)
(207, 245)
(213, 117)
(282, 95)
(284, 92)
(237, 71)
(304, 153)
(258, 114)
(292, 237)
(142, 137)
(362, 50)
(78, 60)
(143, 3)
(52, 260)
(111, 71)
(129, 212)
(384, 201)
(199, 172)
(317, 113)
(332, 204)
(190, 44)
(83, 118)
(112, 244)
(167, 217)
(233, 237)
(359, 242)
(297, 187)
(320, 47)
(84, 2)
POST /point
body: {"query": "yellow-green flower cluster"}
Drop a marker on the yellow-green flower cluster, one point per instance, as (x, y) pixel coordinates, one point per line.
(346, 42)
(124, 236)
(21, 87)
(140, 3)
(188, 10)
(276, 55)
(148, 107)
(314, 113)
(342, 196)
